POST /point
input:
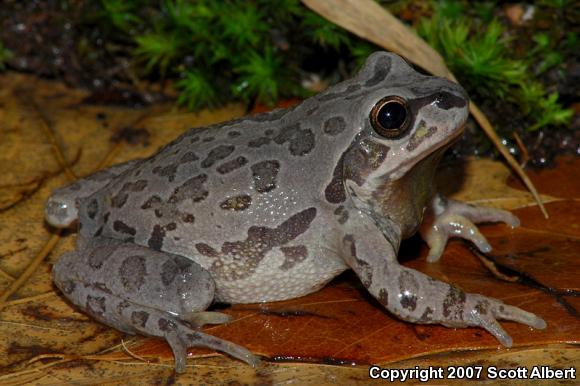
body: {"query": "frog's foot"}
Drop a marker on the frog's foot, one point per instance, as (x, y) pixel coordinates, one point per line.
(481, 311)
(449, 218)
(180, 336)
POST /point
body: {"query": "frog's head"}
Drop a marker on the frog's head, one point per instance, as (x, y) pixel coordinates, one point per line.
(404, 121)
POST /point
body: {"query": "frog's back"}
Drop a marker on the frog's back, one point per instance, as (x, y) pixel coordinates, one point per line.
(245, 189)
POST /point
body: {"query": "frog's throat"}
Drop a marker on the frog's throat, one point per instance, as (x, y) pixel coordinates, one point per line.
(403, 200)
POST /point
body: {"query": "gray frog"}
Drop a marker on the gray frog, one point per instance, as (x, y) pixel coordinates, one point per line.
(274, 206)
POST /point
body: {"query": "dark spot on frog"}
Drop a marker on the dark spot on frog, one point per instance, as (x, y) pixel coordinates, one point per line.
(264, 174)
(194, 139)
(121, 227)
(408, 289)
(97, 256)
(443, 99)
(208, 139)
(133, 272)
(194, 337)
(268, 132)
(166, 171)
(234, 134)
(365, 271)
(187, 218)
(99, 232)
(453, 304)
(334, 126)
(139, 318)
(106, 217)
(206, 250)
(363, 157)
(230, 166)
(121, 307)
(103, 288)
(188, 157)
(216, 154)
(156, 240)
(427, 316)
(192, 188)
(259, 142)
(334, 191)
(324, 97)
(293, 256)
(168, 272)
(92, 208)
(301, 141)
(67, 286)
(166, 325)
(380, 71)
(260, 240)
(342, 213)
(96, 305)
(482, 307)
(121, 197)
(237, 203)
(383, 297)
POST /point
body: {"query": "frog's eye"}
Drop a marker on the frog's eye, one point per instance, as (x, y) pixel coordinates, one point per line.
(390, 117)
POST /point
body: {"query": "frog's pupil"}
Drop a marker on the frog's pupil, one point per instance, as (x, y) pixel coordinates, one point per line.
(392, 116)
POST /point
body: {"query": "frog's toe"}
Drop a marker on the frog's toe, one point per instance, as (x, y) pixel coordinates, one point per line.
(60, 212)
(488, 311)
(483, 214)
(180, 338)
(202, 318)
(451, 225)
(515, 314)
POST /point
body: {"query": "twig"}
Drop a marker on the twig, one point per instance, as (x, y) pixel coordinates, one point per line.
(525, 155)
(488, 129)
(39, 258)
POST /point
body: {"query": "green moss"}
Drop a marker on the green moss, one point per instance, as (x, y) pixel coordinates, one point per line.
(482, 58)
(255, 51)
(5, 55)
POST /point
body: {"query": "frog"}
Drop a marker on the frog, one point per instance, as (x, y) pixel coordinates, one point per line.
(274, 206)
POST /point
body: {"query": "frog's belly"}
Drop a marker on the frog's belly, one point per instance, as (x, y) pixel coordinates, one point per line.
(273, 281)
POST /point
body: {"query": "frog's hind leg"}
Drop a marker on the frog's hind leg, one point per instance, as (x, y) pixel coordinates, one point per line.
(140, 290)
(61, 209)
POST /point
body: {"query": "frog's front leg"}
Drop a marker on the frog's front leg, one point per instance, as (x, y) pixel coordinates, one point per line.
(415, 297)
(139, 290)
(446, 218)
(61, 209)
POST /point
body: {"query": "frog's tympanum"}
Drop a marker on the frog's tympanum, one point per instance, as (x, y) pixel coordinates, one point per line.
(272, 207)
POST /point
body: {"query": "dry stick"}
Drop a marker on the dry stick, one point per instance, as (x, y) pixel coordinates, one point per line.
(39, 258)
(488, 129)
(63, 163)
(370, 21)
